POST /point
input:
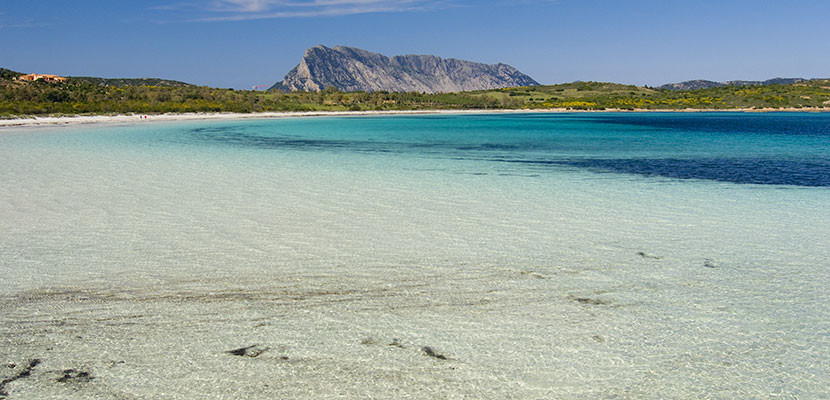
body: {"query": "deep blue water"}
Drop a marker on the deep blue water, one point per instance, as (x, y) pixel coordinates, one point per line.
(767, 149)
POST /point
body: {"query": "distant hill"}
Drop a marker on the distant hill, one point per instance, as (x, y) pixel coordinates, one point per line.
(124, 82)
(90, 96)
(692, 85)
(773, 81)
(9, 74)
(351, 69)
(703, 84)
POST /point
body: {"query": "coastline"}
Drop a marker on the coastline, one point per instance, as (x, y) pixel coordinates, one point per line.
(138, 118)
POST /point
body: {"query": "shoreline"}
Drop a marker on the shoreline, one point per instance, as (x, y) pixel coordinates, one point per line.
(138, 118)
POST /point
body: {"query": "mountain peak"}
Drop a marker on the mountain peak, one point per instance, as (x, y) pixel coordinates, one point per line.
(353, 69)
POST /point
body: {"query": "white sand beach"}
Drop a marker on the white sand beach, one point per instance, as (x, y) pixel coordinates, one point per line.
(147, 118)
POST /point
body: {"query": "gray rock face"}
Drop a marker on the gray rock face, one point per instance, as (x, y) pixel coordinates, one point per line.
(350, 69)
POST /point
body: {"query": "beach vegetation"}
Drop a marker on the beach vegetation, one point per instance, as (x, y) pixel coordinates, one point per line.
(84, 96)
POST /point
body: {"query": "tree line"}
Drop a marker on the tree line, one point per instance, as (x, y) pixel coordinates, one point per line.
(102, 96)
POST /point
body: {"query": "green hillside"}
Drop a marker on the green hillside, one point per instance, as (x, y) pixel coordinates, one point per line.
(6, 74)
(123, 82)
(81, 95)
(599, 96)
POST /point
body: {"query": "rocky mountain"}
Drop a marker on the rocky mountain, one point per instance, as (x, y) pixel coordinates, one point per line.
(702, 84)
(351, 69)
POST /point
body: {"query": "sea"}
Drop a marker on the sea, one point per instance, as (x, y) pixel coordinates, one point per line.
(434, 256)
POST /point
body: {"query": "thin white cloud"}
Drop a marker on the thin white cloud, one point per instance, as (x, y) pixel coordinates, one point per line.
(240, 10)
(257, 6)
(247, 6)
(328, 10)
(23, 24)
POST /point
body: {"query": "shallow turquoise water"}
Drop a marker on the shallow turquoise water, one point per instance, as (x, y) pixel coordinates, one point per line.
(788, 149)
(566, 255)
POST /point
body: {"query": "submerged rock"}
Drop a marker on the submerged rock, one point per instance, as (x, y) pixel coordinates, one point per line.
(589, 300)
(369, 340)
(250, 351)
(646, 255)
(430, 352)
(72, 375)
(22, 374)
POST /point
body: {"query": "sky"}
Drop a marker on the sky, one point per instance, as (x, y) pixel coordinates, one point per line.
(242, 43)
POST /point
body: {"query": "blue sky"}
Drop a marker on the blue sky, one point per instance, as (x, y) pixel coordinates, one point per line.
(240, 43)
